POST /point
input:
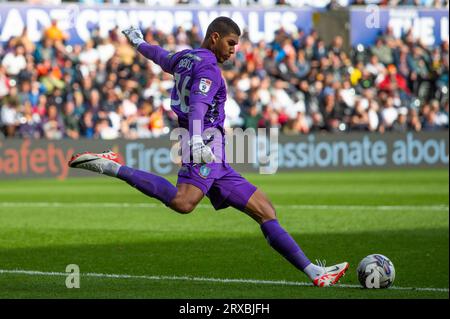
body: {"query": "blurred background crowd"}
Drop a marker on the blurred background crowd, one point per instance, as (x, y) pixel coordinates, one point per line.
(298, 83)
(269, 3)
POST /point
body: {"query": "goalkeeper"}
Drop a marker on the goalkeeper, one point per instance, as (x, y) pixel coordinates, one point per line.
(198, 99)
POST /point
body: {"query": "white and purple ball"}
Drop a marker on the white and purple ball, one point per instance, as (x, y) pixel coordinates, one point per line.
(376, 271)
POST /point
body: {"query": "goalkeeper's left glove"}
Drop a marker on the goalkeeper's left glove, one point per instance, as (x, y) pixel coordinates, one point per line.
(134, 35)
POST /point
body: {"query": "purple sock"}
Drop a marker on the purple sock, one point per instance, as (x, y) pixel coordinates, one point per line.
(284, 244)
(149, 184)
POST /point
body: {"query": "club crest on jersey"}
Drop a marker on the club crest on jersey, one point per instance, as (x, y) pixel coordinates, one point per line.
(204, 171)
(205, 85)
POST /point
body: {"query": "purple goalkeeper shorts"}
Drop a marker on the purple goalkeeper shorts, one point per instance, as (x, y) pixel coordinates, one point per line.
(220, 183)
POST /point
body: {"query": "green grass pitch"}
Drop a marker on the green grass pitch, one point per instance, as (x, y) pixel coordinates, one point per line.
(106, 227)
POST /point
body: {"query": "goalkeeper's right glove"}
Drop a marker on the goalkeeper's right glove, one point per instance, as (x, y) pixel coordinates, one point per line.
(134, 35)
(201, 153)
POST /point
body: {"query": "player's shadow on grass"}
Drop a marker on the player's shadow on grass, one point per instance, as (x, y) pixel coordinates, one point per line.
(238, 257)
(231, 257)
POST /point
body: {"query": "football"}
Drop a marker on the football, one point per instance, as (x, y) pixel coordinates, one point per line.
(376, 271)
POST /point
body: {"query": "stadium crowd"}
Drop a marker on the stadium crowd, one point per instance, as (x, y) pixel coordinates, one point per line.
(331, 4)
(298, 83)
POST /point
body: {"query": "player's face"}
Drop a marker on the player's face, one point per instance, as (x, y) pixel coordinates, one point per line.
(224, 47)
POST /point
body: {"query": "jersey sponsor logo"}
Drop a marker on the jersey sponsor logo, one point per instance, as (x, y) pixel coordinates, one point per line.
(205, 85)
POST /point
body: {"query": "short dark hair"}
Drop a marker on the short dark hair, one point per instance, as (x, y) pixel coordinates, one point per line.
(223, 26)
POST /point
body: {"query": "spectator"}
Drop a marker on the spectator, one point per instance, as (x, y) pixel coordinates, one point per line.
(104, 131)
(15, 61)
(30, 123)
(125, 53)
(317, 124)
(429, 123)
(143, 120)
(41, 108)
(157, 122)
(252, 117)
(4, 82)
(393, 82)
(297, 125)
(45, 51)
(441, 114)
(25, 41)
(87, 124)
(52, 124)
(389, 114)
(414, 121)
(332, 113)
(401, 124)
(106, 50)
(302, 66)
(375, 117)
(382, 51)
(9, 117)
(71, 121)
(182, 39)
(194, 37)
(360, 118)
(54, 33)
(374, 67)
(233, 111)
(89, 58)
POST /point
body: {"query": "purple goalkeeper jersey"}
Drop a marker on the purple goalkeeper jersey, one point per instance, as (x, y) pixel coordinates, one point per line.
(198, 79)
(199, 91)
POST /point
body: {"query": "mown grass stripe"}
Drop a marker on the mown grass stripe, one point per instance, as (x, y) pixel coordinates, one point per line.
(201, 279)
(285, 206)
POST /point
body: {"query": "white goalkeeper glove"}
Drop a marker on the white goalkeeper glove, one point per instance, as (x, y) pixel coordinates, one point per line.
(134, 35)
(201, 153)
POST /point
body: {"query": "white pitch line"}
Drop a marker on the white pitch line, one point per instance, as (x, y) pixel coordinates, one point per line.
(156, 205)
(201, 279)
